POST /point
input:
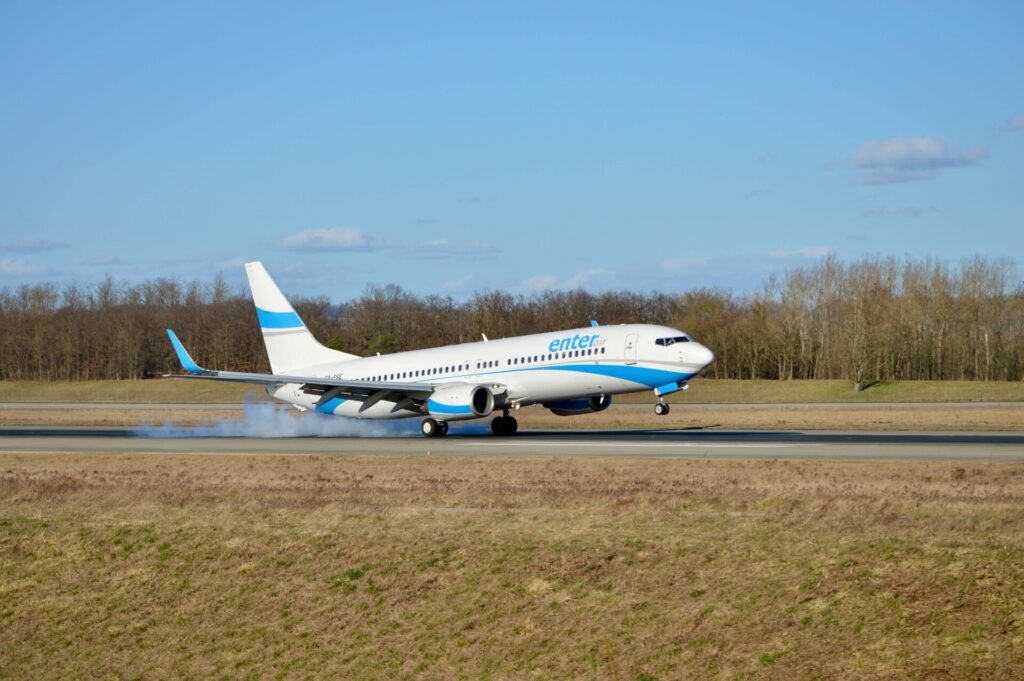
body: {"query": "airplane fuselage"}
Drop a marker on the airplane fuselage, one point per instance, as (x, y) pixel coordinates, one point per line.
(570, 372)
(535, 369)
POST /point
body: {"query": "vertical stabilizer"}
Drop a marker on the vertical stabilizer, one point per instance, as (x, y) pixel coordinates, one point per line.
(290, 345)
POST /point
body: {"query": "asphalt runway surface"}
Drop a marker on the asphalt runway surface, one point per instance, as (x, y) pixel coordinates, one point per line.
(688, 444)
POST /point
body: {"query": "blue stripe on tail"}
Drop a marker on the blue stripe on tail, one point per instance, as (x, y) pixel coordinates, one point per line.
(278, 320)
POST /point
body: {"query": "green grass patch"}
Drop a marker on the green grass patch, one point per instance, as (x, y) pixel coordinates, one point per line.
(462, 568)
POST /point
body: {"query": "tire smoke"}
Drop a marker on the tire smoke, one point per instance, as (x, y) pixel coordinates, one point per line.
(268, 420)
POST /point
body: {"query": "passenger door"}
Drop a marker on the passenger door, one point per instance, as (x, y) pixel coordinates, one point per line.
(631, 348)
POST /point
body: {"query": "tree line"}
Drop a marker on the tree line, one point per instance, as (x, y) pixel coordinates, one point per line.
(874, 319)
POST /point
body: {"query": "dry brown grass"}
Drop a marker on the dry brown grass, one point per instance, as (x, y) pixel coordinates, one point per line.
(135, 566)
(1007, 417)
(702, 390)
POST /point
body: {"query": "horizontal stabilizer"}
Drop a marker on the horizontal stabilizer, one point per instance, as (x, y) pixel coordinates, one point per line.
(187, 363)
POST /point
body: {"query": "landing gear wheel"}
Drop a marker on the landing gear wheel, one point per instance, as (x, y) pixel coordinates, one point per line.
(661, 409)
(430, 428)
(443, 425)
(504, 425)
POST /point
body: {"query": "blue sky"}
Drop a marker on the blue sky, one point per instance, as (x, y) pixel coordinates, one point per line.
(451, 147)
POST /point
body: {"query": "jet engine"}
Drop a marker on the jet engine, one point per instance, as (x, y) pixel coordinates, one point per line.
(585, 406)
(460, 401)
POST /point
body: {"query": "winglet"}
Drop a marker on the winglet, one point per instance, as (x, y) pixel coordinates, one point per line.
(187, 363)
(593, 322)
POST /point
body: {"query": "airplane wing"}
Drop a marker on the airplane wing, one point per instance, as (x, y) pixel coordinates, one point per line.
(367, 392)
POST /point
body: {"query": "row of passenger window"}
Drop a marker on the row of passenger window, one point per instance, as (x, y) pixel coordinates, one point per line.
(486, 364)
(530, 359)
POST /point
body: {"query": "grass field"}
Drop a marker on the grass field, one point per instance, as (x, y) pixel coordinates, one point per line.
(133, 566)
(702, 391)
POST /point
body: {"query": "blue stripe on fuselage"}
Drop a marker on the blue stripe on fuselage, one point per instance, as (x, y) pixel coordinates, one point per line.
(330, 405)
(634, 374)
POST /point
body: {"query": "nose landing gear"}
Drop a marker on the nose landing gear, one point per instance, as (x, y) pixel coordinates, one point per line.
(661, 408)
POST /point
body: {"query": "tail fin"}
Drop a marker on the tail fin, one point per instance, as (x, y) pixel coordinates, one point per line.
(290, 345)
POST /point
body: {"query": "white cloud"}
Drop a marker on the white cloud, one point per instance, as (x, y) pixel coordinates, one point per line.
(106, 261)
(586, 278)
(30, 244)
(461, 285)
(542, 282)
(16, 267)
(441, 249)
(808, 252)
(681, 265)
(1017, 122)
(332, 239)
(593, 279)
(909, 159)
(739, 272)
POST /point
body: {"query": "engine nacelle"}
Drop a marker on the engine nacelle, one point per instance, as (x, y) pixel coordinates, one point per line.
(460, 401)
(585, 406)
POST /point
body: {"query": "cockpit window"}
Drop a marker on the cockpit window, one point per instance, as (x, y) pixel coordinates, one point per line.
(672, 341)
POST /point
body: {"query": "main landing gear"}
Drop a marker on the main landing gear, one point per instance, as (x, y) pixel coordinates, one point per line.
(504, 425)
(432, 428)
(501, 425)
(661, 408)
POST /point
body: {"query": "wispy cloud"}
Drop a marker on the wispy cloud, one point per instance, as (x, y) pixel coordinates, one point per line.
(536, 284)
(30, 244)
(808, 252)
(912, 212)
(106, 261)
(908, 159)
(16, 267)
(1017, 122)
(589, 278)
(333, 239)
(738, 272)
(351, 239)
(681, 265)
(592, 279)
(462, 285)
(441, 249)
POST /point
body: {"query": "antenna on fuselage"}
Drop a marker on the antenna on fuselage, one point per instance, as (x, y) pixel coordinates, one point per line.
(484, 336)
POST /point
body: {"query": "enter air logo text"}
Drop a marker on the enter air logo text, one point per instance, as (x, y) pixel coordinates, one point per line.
(577, 342)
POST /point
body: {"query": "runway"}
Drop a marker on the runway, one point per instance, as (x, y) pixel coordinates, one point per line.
(688, 444)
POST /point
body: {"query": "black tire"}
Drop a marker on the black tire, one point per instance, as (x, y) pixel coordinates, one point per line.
(443, 425)
(430, 428)
(661, 409)
(498, 425)
(503, 426)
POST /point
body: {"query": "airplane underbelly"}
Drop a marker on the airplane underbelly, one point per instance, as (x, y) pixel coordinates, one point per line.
(558, 384)
(341, 407)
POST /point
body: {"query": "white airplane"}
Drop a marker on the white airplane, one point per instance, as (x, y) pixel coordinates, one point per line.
(569, 372)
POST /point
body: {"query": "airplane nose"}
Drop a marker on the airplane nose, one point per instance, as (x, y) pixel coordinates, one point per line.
(705, 356)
